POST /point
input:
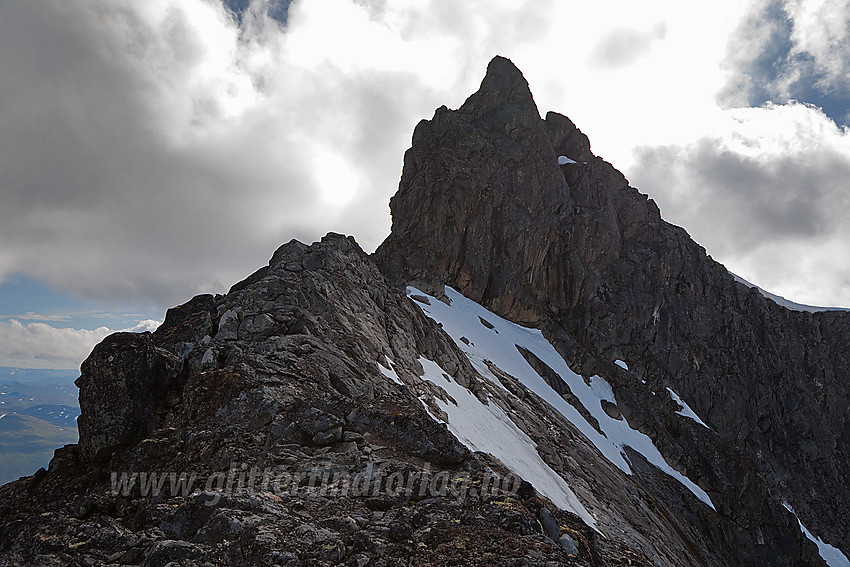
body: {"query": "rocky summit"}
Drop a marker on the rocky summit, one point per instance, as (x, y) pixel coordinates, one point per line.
(533, 369)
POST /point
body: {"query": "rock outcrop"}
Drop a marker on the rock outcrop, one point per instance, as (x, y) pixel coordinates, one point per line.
(126, 383)
(308, 416)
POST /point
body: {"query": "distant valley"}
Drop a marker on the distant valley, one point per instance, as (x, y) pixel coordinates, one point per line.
(38, 413)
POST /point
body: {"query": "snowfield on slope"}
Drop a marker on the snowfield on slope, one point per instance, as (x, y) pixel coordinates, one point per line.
(483, 335)
(487, 428)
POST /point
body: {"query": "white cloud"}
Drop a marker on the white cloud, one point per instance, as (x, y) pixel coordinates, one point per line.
(142, 326)
(39, 345)
(787, 50)
(624, 46)
(30, 316)
(821, 29)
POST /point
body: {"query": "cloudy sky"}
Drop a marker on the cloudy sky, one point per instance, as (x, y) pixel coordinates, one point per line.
(151, 150)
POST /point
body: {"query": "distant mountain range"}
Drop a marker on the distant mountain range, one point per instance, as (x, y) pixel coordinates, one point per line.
(10, 373)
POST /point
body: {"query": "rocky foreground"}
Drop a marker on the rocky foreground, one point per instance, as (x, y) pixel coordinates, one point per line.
(292, 421)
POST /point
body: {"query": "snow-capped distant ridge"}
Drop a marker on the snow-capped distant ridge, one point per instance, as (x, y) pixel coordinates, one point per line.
(782, 302)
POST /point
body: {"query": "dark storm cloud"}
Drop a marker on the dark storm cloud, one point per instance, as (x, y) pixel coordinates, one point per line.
(93, 196)
(624, 46)
(154, 149)
(123, 175)
(726, 198)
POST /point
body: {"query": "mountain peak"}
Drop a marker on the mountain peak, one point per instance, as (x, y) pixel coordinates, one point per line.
(485, 207)
(484, 183)
(504, 99)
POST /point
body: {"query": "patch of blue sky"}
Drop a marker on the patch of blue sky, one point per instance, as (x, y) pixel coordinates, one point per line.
(276, 9)
(779, 75)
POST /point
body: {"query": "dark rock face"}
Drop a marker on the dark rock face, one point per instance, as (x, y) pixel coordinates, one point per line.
(288, 422)
(125, 382)
(578, 253)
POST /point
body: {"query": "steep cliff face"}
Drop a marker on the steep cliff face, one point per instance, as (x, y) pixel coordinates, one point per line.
(483, 206)
(336, 408)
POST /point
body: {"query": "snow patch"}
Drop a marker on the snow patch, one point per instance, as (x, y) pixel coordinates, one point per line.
(685, 410)
(389, 371)
(831, 555)
(564, 160)
(461, 319)
(621, 364)
(487, 428)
